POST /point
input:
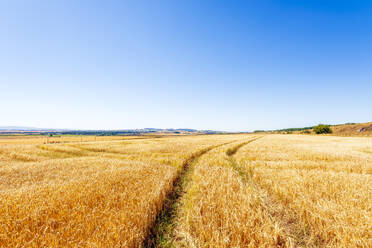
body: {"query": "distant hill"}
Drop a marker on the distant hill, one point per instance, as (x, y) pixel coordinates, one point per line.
(351, 129)
(34, 130)
(16, 128)
(347, 129)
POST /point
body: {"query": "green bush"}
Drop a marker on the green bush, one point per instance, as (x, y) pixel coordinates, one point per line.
(322, 129)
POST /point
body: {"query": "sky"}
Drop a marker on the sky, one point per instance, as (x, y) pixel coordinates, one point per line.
(221, 65)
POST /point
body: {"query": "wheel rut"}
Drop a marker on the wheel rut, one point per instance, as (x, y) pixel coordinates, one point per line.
(295, 235)
(160, 233)
(231, 152)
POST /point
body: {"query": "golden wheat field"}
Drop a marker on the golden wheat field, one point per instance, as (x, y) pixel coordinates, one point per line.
(240, 190)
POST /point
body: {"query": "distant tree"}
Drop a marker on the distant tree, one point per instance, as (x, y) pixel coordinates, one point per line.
(321, 128)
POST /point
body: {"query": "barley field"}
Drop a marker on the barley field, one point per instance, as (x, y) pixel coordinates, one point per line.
(239, 190)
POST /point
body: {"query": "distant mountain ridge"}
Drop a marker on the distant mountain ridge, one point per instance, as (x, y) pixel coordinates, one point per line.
(21, 129)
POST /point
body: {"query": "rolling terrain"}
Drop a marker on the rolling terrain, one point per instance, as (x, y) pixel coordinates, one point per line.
(357, 129)
(347, 129)
(241, 190)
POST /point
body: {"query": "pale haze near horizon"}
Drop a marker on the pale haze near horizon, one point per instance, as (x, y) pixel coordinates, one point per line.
(234, 66)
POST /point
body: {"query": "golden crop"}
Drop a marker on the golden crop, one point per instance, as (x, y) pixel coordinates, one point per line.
(324, 184)
(186, 191)
(88, 194)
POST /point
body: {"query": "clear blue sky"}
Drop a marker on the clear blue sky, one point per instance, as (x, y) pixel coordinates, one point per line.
(226, 65)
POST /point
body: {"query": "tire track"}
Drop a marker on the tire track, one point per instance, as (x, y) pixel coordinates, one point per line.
(231, 152)
(296, 236)
(160, 234)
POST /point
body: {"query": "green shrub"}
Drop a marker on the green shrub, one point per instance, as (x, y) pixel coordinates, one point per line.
(322, 129)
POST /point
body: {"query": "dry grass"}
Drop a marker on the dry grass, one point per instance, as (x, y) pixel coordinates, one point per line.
(44, 139)
(358, 129)
(111, 208)
(88, 194)
(323, 183)
(277, 191)
(220, 209)
(280, 191)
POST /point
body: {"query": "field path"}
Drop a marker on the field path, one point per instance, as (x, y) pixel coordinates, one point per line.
(160, 233)
(289, 224)
(231, 152)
